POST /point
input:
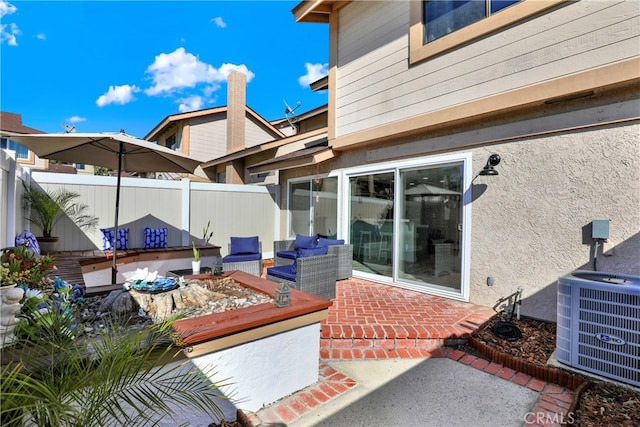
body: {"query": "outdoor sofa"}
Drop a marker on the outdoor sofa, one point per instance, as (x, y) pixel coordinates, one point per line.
(314, 271)
(285, 252)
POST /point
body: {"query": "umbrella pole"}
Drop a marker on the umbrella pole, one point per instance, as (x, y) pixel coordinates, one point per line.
(114, 268)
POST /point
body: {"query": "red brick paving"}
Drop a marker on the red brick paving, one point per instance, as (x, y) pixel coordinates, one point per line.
(374, 321)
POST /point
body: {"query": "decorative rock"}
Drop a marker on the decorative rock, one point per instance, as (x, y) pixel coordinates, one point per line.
(118, 303)
(195, 298)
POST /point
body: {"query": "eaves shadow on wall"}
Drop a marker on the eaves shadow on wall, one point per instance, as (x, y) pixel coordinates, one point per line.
(137, 237)
(622, 258)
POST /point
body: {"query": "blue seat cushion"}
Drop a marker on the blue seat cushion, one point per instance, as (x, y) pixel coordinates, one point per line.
(287, 254)
(306, 242)
(329, 242)
(322, 250)
(283, 272)
(242, 258)
(155, 237)
(122, 241)
(244, 245)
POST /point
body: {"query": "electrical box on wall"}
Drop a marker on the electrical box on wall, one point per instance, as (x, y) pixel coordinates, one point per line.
(600, 229)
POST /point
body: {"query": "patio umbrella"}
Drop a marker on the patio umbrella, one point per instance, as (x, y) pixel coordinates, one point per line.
(117, 151)
(429, 190)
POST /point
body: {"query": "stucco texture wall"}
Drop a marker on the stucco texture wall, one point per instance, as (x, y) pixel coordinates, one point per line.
(532, 223)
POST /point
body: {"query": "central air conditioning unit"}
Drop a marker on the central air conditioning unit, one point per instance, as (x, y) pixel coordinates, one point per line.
(598, 326)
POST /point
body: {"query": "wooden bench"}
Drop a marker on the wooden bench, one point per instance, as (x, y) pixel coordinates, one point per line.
(96, 271)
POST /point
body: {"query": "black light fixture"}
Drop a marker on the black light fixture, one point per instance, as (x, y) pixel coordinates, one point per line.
(494, 160)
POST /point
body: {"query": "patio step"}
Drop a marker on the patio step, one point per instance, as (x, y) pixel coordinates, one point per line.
(374, 321)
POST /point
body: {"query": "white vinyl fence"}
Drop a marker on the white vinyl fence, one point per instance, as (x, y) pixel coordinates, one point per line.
(184, 207)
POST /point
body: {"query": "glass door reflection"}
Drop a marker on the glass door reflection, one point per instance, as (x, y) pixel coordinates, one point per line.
(431, 217)
(371, 222)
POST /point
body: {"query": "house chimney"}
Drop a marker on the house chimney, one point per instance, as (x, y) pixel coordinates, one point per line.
(236, 102)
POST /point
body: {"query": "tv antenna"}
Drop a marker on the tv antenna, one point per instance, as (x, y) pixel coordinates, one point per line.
(68, 128)
(288, 113)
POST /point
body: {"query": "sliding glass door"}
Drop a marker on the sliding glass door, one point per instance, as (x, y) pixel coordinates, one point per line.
(313, 207)
(406, 224)
(431, 224)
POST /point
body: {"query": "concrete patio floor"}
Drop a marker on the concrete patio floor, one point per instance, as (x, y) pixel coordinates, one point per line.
(385, 361)
(388, 358)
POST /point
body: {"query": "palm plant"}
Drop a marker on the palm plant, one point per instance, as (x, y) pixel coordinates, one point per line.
(119, 377)
(46, 209)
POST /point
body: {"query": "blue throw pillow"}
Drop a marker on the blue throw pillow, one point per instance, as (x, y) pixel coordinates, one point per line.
(122, 241)
(244, 245)
(305, 242)
(329, 242)
(302, 252)
(155, 237)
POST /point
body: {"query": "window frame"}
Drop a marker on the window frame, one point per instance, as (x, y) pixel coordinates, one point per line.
(10, 145)
(419, 51)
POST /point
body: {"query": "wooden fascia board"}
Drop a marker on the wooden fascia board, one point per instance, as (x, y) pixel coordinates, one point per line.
(621, 73)
(306, 10)
(295, 163)
(160, 128)
(264, 122)
(263, 147)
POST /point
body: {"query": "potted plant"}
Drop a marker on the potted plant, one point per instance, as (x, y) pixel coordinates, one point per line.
(20, 269)
(46, 209)
(195, 264)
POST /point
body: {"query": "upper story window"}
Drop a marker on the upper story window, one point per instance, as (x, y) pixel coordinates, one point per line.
(442, 17)
(171, 142)
(438, 26)
(21, 152)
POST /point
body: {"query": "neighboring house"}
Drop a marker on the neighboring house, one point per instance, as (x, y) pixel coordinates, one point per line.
(216, 132)
(421, 93)
(12, 122)
(305, 144)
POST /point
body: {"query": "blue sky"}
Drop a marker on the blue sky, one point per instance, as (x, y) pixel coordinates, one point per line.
(106, 66)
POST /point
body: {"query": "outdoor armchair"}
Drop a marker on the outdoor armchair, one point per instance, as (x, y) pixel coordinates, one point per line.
(313, 274)
(245, 254)
(284, 252)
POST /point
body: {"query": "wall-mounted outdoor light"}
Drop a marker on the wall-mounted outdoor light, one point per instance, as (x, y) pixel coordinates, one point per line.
(494, 160)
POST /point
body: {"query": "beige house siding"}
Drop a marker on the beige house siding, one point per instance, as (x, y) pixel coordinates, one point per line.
(255, 134)
(208, 137)
(376, 85)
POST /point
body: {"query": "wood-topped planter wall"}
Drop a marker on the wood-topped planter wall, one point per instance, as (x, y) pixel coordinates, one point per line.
(96, 271)
(267, 352)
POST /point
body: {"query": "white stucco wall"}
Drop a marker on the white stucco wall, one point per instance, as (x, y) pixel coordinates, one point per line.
(268, 369)
(531, 223)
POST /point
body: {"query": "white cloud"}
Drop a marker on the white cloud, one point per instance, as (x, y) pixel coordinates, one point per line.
(209, 90)
(9, 32)
(41, 36)
(76, 119)
(6, 8)
(219, 22)
(314, 73)
(226, 69)
(190, 103)
(117, 95)
(171, 72)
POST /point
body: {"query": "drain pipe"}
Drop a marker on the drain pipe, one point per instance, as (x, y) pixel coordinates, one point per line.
(518, 302)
